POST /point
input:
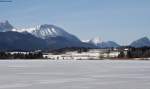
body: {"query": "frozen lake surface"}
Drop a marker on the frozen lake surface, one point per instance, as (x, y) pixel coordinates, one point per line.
(81, 74)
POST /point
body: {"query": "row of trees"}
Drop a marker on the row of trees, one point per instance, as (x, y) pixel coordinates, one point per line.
(143, 52)
(69, 49)
(5, 55)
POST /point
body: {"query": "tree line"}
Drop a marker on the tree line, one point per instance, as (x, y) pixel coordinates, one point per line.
(70, 49)
(30, 55)
(143, 52)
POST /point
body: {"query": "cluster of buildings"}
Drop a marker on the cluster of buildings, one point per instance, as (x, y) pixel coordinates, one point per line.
(89, 55)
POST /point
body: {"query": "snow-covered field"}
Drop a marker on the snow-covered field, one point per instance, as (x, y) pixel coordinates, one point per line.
(74, 74)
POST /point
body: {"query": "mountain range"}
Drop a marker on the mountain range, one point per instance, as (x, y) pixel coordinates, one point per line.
(49, 37)
(141, 42)
(40, 37)
(100, 44)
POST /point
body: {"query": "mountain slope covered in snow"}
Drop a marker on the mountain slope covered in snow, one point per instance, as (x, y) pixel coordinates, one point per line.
(45, 31)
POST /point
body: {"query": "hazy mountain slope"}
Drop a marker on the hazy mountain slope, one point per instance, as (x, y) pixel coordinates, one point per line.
(100, 44)
(5, 26)
(18, 41)
(144, 41)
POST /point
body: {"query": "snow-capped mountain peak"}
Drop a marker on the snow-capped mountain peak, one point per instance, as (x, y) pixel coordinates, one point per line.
(100, 44)
(95, 41)
(45, 31)
(29, 30)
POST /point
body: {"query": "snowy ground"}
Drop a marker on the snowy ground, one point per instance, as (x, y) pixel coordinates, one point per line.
(81, 74)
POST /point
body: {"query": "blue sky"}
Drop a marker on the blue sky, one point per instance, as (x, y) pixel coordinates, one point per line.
(118, 20)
